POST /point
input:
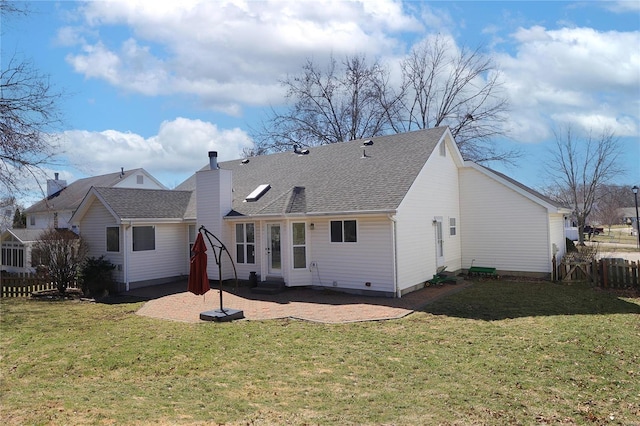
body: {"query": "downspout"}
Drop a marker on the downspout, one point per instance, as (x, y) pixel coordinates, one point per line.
(126, 256)
(396, 291)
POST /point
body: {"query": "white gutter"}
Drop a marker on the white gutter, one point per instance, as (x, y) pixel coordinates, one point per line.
(309, 215)
(131, 221)
(126, 256)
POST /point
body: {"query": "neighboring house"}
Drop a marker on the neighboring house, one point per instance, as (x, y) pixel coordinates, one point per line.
(628, 215)
(16, 249)
(8, 208)
(379, 216)
(56, 209)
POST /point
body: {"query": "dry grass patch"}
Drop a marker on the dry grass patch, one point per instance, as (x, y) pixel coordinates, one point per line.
(497, 353)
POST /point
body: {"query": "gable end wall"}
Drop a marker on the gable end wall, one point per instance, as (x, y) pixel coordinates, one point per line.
(501, 228)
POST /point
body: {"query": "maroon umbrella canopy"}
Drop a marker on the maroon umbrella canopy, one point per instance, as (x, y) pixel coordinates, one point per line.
(198, 279)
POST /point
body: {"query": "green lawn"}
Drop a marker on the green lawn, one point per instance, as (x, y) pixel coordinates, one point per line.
(497, 353)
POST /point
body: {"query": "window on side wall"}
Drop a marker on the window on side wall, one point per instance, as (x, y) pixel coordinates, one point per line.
(452, 226)
(144, 238)
(113, 238)
(192, 239)
(343, 231)
(245, 243)
(13, 255)
(299, 245)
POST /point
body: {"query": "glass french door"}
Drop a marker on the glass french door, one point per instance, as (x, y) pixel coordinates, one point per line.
(274, 252)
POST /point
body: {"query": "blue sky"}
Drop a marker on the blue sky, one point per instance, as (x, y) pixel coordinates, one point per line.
(158, 84)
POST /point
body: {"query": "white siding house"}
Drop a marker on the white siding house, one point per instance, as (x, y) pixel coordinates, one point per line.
(62, 200)
(378, 216)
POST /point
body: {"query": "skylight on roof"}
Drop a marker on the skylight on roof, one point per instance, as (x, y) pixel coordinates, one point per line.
(258, 192)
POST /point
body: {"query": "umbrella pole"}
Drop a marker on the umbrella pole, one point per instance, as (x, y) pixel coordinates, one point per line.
(221, 314)
(220, 279)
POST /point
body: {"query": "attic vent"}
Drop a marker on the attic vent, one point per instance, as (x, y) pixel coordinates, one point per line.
(297, 150)
(368, 143)
(258, 192)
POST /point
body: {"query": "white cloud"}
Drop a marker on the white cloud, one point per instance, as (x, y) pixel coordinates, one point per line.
(228, 54)
(179, 149)
(579, 75)
(622, 6)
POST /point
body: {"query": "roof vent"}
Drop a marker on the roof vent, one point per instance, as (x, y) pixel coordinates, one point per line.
(297, 150)
(258, 192)
(245, 161)
(368, 143)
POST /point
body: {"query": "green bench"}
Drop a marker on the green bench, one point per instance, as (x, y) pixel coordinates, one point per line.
(482, 270)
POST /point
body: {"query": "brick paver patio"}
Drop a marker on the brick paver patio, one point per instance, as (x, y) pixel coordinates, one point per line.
(298, 303)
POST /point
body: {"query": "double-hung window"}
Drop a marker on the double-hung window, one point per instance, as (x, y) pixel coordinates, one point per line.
(299, 246)
(245, 243)
(343, 231)
(452, 226)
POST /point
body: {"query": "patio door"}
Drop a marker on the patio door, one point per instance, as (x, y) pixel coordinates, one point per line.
(439, 241)
(274, 252)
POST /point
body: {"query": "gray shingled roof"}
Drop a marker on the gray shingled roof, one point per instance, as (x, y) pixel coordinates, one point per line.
(132, 203)
(331, 178)
(26, 235)
(70, 197)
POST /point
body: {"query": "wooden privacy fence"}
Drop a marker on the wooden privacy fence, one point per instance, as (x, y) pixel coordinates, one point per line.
(24, 284)
(605, 273)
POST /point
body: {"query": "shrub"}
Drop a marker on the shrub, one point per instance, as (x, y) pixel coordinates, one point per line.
(97, 279)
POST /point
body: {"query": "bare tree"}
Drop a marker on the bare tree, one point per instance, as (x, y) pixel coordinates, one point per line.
(29, 113)
(62, 253)
(441, 85)
(343, 102)
(579, 166)
(457, 88)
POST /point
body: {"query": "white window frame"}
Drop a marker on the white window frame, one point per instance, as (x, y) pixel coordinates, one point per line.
(342, 235)
(453, 229)
(245, 245)
(299, 245)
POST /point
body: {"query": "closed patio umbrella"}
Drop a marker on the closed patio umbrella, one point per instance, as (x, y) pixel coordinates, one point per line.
(198, 279)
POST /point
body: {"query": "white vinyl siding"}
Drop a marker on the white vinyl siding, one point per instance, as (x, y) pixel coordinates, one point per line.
(352, 265)
(556, 227)
(433, 196)
(166, 260)
(501, 228)
(93, 227)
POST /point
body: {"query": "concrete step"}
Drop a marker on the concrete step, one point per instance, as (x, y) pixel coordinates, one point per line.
(270, 286)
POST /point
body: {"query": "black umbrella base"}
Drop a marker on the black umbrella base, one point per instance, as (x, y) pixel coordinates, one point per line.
(222, 315)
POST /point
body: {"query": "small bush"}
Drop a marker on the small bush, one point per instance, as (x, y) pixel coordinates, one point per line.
(97, 279)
